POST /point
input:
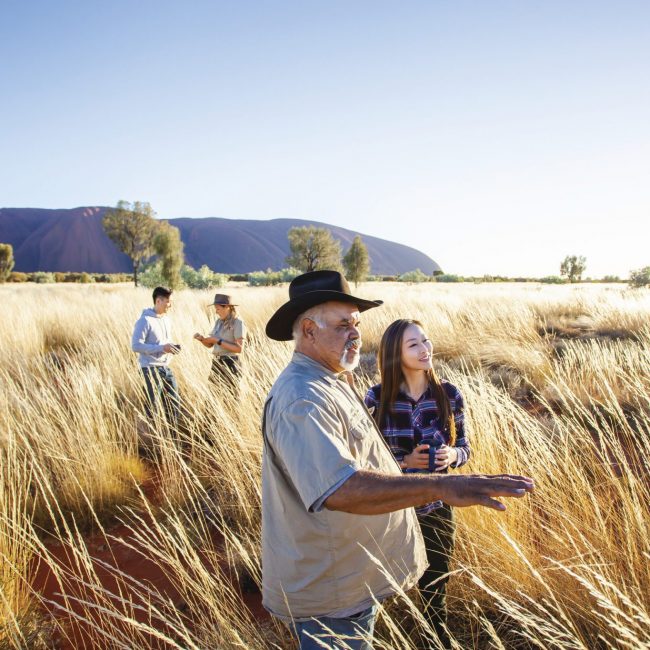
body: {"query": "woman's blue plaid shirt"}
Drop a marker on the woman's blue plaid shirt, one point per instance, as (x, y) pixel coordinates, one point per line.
(412, 423)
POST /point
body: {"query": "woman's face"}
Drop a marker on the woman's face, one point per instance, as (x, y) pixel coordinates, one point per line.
(416, 349)
(222, 311)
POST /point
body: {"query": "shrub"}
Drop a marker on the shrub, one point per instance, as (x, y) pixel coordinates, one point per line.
(415, 276)
(7, 261)
(611, 278)
(553, 279)
(151, 276)
(112, 277)
(42, 277)
(263, 278)
(17, 276)
(119, 277)
(67, 277)
(86, 278)
(640, 277)
(270, 278)
(448, 277)
(203, 278)
(59, 277)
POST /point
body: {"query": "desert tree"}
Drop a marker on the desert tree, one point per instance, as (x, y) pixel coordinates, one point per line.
(133, 229)
(168, 247)
(573, 266)
(313, 249)
(640, 277)
(356, 261)
(6, 261)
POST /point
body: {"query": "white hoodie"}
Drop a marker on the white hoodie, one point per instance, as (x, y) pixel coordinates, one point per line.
(150, 335)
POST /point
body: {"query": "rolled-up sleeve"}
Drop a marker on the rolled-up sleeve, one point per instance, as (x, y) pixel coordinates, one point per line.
(313, 447)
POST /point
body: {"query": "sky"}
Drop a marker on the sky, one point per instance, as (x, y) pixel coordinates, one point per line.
(495, 136)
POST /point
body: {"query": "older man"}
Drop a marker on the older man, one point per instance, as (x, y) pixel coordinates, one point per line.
(335, 504)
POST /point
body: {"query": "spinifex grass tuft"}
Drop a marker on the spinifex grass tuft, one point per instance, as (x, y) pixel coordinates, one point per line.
(556, 384)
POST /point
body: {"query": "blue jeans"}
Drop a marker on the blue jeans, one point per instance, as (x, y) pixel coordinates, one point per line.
(352, 632)
(162, 394)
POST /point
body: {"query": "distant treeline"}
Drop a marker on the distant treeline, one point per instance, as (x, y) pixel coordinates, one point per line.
(269, 278)
(46, 277)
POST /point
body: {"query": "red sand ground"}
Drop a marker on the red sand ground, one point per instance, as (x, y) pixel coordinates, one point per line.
(127, 560)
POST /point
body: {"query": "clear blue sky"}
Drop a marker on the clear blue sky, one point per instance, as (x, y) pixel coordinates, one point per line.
(497, 137)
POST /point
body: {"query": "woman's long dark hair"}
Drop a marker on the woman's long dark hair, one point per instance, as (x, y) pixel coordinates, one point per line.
(390, 368)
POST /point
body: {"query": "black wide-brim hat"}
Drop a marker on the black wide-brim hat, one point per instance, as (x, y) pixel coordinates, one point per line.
(308, 290)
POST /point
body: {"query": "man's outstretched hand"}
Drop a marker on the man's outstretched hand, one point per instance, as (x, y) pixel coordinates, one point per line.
(373, 493)
(483, 490)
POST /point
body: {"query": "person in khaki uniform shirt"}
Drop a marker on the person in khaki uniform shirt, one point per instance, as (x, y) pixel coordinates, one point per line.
(335, 504)
(227, 341)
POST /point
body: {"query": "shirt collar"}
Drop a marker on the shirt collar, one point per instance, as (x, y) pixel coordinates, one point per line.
(311, 365)
(426, 395)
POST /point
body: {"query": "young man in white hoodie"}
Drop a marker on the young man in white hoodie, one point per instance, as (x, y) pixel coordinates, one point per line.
(152, 340)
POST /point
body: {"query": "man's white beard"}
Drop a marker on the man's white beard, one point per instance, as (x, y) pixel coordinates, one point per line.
(350, 365)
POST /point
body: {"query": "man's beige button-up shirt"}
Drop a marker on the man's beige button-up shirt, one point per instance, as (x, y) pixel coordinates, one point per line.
(317, 562)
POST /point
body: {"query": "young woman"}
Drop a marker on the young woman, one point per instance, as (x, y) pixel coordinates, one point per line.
(415, 410)
(226, 341)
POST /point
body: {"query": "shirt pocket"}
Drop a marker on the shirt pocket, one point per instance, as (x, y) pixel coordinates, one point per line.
(359, 425)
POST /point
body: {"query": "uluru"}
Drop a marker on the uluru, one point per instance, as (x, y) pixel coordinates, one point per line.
(74, 240)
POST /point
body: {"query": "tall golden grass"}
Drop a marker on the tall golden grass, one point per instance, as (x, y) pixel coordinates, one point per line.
(557, 385)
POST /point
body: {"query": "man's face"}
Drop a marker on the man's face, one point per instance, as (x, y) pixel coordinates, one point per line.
(162, 304)
(338, 343)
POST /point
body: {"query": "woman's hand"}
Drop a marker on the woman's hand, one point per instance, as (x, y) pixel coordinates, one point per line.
(445, 456)
(207, 341)
(418, 458)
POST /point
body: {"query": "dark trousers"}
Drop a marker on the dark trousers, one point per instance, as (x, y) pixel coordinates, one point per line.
(226, 371)
(161, 390)
(439, 531)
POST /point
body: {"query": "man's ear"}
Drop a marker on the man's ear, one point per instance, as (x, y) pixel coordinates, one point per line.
(308, 328)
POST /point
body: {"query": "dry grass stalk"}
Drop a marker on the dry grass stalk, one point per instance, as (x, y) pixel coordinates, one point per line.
(567, 568)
